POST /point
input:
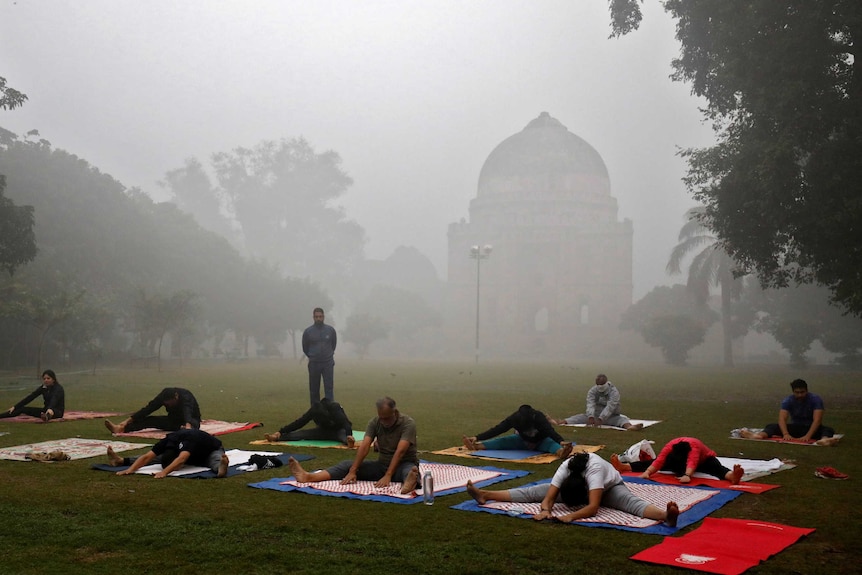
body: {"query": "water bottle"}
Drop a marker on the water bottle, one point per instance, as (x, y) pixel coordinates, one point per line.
(428, 488)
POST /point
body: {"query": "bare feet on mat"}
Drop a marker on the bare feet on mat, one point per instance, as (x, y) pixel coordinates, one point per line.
(619, 465)
(114, 459)
(469, 442)
(114, 428)
(828, 441)
(635, 427)
(410, 481)
(736, 474)
(564, 451)
(351, 443)
(748, 434)
(222, 466)
(272, 436)
(672, 514)
(475, 493)
(299, 473)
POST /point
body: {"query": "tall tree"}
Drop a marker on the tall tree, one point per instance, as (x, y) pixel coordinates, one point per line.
(670, 318)
(710, 266)
(17, 238)
(782, 81)
(192, 190)
(282, 194)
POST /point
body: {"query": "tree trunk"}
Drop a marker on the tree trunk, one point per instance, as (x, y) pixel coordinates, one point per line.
(726, 326)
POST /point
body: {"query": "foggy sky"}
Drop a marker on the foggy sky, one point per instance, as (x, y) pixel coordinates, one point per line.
(412, 95)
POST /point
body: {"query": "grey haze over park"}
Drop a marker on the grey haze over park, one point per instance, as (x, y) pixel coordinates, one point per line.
(412, 95)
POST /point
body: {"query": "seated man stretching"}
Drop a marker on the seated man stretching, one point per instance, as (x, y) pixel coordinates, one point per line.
(332, 423)
(805, 414)
(179, 448)
(533, 431)
(182, 408)
(395, 434)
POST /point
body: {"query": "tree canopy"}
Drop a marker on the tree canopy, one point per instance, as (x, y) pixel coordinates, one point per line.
(783, 90)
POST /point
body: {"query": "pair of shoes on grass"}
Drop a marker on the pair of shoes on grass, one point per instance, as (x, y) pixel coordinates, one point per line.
(830, 473)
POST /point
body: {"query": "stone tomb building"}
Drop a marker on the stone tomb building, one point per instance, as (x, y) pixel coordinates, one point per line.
(560, 271)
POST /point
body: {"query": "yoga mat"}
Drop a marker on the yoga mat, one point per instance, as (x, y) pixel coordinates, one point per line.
(323, 443)
(537, 457)
(211, 426)
(448, 479)
(644, 422)
(724, 546)
(237, 458)
(695, 503)
(74, 447)
(754, 468)
(734, 434)
(67, 416)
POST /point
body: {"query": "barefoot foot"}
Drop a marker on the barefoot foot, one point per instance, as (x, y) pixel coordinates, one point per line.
(672, 514)
(469, 443)
(222, 466)
(114, 459)
(736, 474)
(112, 427)
(475, 493)
(300, 474)
(351, 442)
(828, 441)
(273, 437)
(410, 481)
(635, 427)
(564, 451)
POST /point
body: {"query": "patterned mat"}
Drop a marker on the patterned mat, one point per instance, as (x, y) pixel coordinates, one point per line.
(695, 503)
(74, 447)
(67, 416)
(643, 422)
(537, 457)
(448, 479)
(734, 434)
(323, 443)
(211, 426)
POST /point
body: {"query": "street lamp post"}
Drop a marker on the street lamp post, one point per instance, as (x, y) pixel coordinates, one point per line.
(479, 253)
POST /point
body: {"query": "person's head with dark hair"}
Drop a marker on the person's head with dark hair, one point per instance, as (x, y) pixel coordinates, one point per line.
(169, 396)
(800, 389)
(49, 378)
(169, 455)
(678, 457)
(573, 490)
(317, 315)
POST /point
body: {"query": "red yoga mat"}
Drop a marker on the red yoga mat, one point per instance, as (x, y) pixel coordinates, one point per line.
(724, 546)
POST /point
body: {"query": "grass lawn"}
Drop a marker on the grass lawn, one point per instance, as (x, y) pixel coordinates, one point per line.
(66, 518)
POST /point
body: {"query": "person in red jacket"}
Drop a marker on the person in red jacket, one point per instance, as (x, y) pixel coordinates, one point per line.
(683, 456)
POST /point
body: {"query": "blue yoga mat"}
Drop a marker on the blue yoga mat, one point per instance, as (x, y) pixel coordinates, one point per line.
(275, 485)
(506, 453)
(693, 515)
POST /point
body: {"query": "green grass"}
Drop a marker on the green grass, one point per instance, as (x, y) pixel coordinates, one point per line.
(66, 518)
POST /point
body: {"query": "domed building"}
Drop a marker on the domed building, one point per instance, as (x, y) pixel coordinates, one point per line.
(559, 273)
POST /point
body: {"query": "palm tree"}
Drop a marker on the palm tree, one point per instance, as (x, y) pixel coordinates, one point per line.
(711, 266)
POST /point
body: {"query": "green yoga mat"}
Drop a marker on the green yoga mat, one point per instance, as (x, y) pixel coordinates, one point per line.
(357, 435)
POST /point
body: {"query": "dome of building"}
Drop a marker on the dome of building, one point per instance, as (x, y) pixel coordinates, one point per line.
(544, 158)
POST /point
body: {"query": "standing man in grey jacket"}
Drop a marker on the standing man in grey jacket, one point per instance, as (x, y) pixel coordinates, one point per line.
(318, 345)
